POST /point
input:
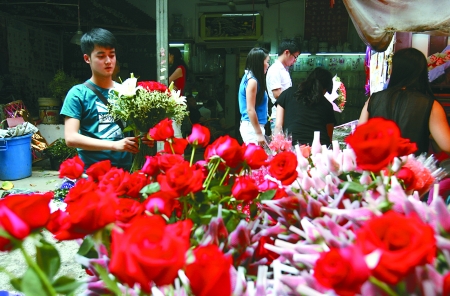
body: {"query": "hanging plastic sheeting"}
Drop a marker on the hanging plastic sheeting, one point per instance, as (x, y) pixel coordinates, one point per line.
(377, 20)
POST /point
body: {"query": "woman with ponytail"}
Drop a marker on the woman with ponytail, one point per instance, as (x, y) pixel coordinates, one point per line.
(253, 99)
(302, 110)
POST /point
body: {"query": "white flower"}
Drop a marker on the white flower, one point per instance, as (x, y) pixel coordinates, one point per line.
(127, 88)
(176, 96)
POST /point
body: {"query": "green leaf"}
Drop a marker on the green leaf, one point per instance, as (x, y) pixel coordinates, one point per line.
(66, 285)
(109, 283)
(212, 195)
(86, 246)
(16, 283)
(31, 285)
(232, 223)
(128, 129)
(47, 258)
(352, 188)
(150, 188)
(222, 189)
(267, 195)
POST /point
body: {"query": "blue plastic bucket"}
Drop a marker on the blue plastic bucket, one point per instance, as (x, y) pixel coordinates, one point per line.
(15, 157)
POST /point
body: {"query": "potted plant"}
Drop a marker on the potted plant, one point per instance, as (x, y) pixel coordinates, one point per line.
(57, 152)
(61, 84)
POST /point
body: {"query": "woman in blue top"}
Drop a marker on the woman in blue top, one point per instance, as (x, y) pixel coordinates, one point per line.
(253, 97)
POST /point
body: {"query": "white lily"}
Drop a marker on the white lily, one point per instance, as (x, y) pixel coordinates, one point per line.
(177, 97)
(127, 88)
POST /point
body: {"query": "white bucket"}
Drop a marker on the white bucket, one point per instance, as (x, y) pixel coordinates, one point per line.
(49, 110)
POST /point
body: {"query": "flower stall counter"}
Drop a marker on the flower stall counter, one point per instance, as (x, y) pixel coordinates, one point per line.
(298, 221)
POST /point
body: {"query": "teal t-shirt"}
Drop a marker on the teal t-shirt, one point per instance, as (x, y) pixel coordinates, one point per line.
(95, 122)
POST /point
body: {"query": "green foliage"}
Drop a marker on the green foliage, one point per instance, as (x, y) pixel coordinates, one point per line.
(59, 151)
(61, 84)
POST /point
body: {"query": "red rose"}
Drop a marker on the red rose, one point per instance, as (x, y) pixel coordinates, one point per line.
(149, 251)
(245, 189)
(81, 187)
(150, 166)
(343, 270)
(152, 86)
(127, 209)
(162, 131)
(199, 136)
(254, 155)
(181, 179)
(166, 161)
(375, 143)
(446, 284)
(160, 203)
(261, 251)
(404, 242)
(270, 185)
(226, 148)
(209, 274)
(13, 225)
(406, 147)
(98, 169)
(33, 209)
(283, 167)
(407, 176)
(71, 168)
(115, 179)
(178, 146)
(85, 214)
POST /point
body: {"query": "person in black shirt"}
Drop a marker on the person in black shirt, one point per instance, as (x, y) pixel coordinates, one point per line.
(303, 109)
(409, 102)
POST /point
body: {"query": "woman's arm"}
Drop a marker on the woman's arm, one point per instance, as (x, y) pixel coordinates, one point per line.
(250, 97)
(279, 120)
(178, 73)
(330, 129)
(364, 117)
(439, 128)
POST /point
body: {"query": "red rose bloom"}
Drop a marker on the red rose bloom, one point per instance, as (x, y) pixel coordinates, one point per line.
(85, 214)
(181, 179)
(375, 143)
(343, 270)
(166, 161)
(226, 148)
(161, 203)
(407, 176)
(209, 274)
(115, 179)
(150, 166)
(254, 156)
(152, 86)
(149, 251)
(244, 189)
(127, 209)
(283, 167)
(98, 170)
(13, 225)
(446, 284)
(200, 135)
(72, 168)
(178, 146)
(33, 209)
(404, 242)
(133, 184)
(162, 131)
(406, 147)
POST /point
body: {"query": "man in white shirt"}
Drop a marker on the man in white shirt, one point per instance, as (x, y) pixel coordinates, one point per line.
(278, 78)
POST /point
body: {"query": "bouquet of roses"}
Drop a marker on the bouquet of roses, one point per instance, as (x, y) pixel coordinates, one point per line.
(325, 221)
(338, 95)
(438, 63)
(142, 105)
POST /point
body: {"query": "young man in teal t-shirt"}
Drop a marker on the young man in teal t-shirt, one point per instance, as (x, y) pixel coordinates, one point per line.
(88, 125)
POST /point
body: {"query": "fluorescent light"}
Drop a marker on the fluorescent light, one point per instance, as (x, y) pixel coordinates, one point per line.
(176, 44)
(342, 53)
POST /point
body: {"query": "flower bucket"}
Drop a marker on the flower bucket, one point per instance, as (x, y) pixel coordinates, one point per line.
(15, 158)
(49, 110)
